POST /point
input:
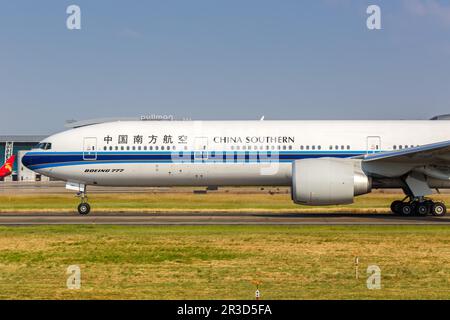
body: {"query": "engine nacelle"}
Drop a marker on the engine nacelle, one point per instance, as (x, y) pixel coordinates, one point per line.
(328, 181)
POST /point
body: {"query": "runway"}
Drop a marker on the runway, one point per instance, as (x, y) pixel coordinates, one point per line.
(29, 219)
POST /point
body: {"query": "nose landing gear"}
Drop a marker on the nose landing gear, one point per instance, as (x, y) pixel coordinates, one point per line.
(419, 207)
(83, 208)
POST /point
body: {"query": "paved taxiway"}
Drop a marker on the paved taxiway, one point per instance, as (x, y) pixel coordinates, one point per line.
(216, 219)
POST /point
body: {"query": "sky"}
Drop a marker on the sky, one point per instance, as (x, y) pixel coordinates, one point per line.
(221, 60)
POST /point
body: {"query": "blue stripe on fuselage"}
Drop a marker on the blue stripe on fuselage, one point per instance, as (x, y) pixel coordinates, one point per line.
(40, 160)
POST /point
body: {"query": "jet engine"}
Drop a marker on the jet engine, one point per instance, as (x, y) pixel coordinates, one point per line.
(328, 181)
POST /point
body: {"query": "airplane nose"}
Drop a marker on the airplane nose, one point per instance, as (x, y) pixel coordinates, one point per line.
(27, 160)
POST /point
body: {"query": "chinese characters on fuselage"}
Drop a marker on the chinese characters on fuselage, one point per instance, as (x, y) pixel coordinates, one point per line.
(141, 139)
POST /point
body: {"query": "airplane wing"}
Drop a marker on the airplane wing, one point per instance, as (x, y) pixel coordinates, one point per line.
(432, 160)
(435, 154)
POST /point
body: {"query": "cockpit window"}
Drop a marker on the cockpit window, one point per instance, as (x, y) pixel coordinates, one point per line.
(44, 146)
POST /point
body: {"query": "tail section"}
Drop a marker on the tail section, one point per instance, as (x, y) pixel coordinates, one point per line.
(7, 168)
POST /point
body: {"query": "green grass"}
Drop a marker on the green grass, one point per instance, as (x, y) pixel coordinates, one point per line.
(222, 262)
(157, 202)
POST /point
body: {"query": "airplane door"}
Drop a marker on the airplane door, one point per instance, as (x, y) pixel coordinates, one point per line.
(373, 144)
(201, 149)
(90, 149)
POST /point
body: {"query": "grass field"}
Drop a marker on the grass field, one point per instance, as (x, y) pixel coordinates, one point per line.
(222, 262)
(188, 202)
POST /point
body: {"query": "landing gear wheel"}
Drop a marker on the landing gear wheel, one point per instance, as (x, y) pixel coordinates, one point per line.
(439, 209)
(396, 206)
(422, 209)
(84, 208)
(406, 209)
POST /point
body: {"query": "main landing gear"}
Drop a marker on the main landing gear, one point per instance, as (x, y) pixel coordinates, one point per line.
(83, 208)
(415, 186)
(418, 207)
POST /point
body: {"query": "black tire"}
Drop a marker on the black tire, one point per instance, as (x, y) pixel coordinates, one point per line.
(439, 209)
(84, 208)
(396, 206)
(407, 209)
(422, 209)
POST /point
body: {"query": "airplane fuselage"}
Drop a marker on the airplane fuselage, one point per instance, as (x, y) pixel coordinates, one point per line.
(219, 153)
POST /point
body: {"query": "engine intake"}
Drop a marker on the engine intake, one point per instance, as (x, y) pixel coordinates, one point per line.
(328, 181)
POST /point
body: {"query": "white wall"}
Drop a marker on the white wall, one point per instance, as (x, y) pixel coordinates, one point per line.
(23, 173)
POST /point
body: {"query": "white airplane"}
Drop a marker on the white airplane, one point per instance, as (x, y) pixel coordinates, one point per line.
(324, 162)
